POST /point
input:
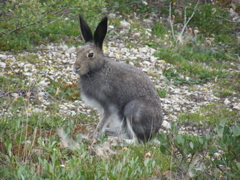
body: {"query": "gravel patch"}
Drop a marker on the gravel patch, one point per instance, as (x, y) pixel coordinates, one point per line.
(55, 62)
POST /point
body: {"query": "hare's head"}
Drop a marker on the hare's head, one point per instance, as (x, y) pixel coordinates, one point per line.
(90, 56)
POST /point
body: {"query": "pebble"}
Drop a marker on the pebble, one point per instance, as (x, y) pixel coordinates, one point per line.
(236, 106)
(125, 25)
(166, 125)
(226, 101)
(2, 65)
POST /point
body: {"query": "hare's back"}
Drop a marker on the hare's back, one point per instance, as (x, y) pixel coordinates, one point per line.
(130, 80)
(118, 83)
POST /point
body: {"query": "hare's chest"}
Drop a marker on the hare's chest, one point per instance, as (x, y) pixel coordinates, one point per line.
(92, 103)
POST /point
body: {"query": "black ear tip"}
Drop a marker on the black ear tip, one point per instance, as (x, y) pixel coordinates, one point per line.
(80, 16)
(105, 19)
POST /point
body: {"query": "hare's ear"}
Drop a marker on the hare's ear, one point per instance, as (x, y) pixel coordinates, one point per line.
(100, 32)
(86, 31)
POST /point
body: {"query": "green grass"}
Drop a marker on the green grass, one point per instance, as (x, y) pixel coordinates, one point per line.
(63, 91)
(162, 93)
(196, 58)
(24, 26)
(190, 63)
(198, 62)
(30, 148)
(228, 86)
(80, 164)
(210, 115)
(9, 83)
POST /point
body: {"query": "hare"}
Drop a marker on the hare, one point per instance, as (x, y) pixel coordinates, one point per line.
(123, 95)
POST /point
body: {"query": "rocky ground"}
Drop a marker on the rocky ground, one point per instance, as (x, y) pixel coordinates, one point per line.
(55, 61)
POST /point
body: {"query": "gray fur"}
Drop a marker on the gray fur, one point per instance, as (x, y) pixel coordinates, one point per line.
(123, 95)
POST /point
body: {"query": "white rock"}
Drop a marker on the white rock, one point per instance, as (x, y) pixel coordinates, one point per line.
(153, 59)
(3, 56)
(125, 24)
(149, 21)
(28, 74)
(226, 101)
(147, 63)
(111, 27)
(63, 108)
(2, 64)
(71, 50)
(37, 110)
(21, 64)
(71, 106)
(131, 63)
(166, 124)
(43, 83)
(73, 113)
(111, 15)
(41, 94)
(216, 155)
(15, 95)
(62, 165)
(236, 106)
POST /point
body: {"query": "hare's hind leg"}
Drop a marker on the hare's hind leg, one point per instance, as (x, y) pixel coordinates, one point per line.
(140, 119)
(132, 113)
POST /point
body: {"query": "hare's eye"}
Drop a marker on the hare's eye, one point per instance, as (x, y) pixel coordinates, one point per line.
(90, 55)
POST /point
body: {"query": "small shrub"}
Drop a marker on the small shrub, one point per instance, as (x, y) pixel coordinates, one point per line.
(215, 154)
(162, 93)
(24, 26)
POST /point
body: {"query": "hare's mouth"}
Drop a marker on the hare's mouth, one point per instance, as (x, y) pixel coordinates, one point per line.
(76, 69)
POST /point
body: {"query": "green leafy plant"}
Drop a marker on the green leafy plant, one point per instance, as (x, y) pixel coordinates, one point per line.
(162, 93)
(60, 89)
(25, 25)
(215, 154)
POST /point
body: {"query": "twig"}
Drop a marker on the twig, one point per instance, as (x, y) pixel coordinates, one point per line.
(186, 23)
(127, 4)
(29, 25)
(18, 29)
(7, 19)
(185, 17)
(60, 11)
(224, 19)
(170, 19)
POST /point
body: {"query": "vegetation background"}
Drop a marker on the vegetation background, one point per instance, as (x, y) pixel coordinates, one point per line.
(201, 39)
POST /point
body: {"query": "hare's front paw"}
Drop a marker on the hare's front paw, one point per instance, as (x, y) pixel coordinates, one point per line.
(96, 135)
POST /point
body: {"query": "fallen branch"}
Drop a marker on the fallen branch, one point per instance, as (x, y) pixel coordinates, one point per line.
(22, 27)
(32, 24)
(60, 12)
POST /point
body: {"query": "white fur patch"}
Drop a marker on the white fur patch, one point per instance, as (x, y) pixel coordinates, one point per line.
(92, 103)
(113, 123)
